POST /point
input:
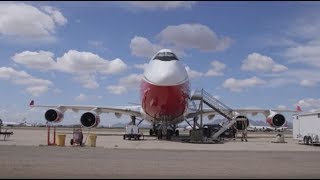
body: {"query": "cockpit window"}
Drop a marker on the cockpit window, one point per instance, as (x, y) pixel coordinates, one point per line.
(166, 56)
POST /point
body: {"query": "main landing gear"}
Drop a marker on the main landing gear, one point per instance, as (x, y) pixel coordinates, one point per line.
(161, 130)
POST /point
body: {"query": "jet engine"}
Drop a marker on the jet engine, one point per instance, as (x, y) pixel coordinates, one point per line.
(54, 115)
(242, 122)
(90, 119)
(275, 119)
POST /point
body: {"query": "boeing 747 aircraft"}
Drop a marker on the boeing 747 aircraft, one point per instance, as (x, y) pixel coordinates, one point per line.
(164, 94)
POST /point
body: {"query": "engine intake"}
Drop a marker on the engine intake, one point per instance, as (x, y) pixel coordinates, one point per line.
(90, 119)
(54, 115)
(276, 120)
(242, 122)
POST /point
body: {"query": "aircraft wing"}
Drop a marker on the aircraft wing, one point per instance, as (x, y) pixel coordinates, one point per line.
(211, 112)
(118, 110)
(266, 112)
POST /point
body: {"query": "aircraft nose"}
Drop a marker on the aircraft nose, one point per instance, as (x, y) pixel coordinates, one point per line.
(166, 76)
(166, 73)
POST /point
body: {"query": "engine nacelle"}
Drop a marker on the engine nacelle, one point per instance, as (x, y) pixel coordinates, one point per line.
(90, 119)
(275, 119)
(242, 122)
(54, 115)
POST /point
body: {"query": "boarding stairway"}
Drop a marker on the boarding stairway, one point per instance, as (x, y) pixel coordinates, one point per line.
(218, 106)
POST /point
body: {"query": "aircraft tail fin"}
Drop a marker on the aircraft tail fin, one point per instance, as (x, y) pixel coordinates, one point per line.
(31, 103)
(298, 109)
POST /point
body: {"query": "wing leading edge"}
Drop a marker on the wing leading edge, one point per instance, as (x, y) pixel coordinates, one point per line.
(266, 112)
(127, 110)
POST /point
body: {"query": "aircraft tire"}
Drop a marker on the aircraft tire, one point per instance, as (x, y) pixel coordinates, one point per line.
(177, 132)
(309, 140)
(305, 140)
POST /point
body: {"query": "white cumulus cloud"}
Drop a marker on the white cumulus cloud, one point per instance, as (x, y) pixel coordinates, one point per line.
(258, 62)
(56, 15)
(129, 82)
(42, 60)
(81, 97)
(166, 5)
(142, 47)
(196, 36)
(238, 85)
(216, 69)
(308, 83)
(305, 53)
(192, 73)
(86, 62)
(88, 81)
(303, 77)
(84, 65)
(305, 33)
(25, 22)
(116, 89)
(34, 86)
(180, 38)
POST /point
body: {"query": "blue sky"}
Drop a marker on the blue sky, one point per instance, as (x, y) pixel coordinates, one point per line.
(248, 54)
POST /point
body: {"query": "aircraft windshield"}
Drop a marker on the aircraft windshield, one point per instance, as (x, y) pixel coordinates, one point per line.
(166, 56)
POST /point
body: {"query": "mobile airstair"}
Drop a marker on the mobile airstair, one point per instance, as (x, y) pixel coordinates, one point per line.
(225, 111)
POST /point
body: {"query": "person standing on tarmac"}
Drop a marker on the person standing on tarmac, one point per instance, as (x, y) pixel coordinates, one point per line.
(234, 132)
(244, 135)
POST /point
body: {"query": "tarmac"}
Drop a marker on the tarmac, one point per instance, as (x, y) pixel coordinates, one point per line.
(25, 154)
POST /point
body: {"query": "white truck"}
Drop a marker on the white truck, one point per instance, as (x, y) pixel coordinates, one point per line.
(132, 131)
(306, 127)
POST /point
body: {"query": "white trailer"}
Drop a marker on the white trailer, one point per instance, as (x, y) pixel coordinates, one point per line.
(306, 127)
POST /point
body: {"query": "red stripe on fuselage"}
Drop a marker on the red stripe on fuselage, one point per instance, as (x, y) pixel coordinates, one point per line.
(164, 102)
(269, 121)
